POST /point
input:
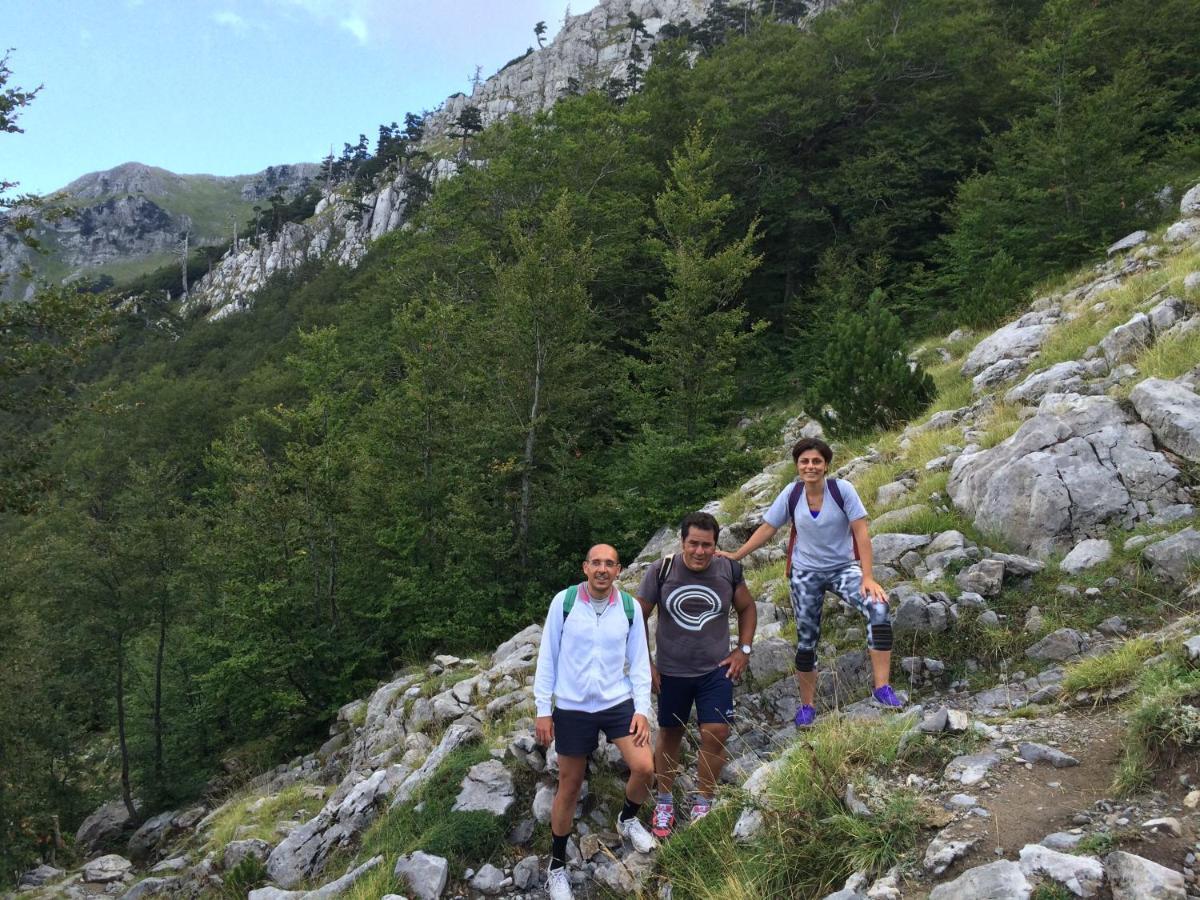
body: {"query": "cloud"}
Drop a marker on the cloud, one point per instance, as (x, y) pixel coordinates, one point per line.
(357, 26)
(230, 19)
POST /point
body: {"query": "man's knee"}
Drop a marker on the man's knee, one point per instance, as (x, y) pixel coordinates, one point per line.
(806, 659)
(641, 767)
(714, 735)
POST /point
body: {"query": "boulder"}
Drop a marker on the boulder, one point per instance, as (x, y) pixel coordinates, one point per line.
(1134, 878)
(102, 827)
(985, 578)
(456, 735)
(543, 800)
(1001, 880)
(886, 549)
(942, 853)
(237, 851)
(1087, 554)
(771, 658)
(150, 887)
(107, 868)
(1078, 466)
(150, 834)
(1083, 876)
(1031, 752)
(1126, 341)
(488, 787)
(970, 769)
(1129, 242)
(490, 881)
(1183, 230)
(426, 875)
(1173, 559)
(997, 373)
(1059, 378)
(526, 874)
(1059, 645)
(1190, 204)
(1016, 340)
(1173, 413)
(43, 874)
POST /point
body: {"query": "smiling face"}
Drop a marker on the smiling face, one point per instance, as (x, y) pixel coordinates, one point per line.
(699, 545)
(601, 568)
(812, 466)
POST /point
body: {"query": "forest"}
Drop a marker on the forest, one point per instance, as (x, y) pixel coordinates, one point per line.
(212, 535)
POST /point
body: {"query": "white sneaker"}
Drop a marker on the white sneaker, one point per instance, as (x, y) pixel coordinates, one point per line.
(558, 885)
(635, 832)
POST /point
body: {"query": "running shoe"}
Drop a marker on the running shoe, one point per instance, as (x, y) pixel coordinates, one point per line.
(701, 808)
(885, 696)
(635, 832)
(558, 885)
(663, 820)
(805, 716)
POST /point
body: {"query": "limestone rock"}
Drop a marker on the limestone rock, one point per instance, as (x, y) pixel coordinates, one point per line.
(102, 826)
(488, 786)
(970, 769)
(237, 851)
(1016, 341)
(886, 549)
(1059, 645)
(426, 875)
(1083, 876)
(490, 881)
(107, 868)
(1190, 204)
(1001, 880)
(1173, 559)
(771, 658)
(1173, 413)
(1129, 242)
(1078, 466)
(150, 887)
(1087, 554)
(150, 834)
(942, 853)
(526, 873)
(1032, 752)
(43, 874)
(1135, 878)
(985, 578)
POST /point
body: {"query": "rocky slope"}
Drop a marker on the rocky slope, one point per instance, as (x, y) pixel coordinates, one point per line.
(590, 49)
(1081, 421)
(135, 213)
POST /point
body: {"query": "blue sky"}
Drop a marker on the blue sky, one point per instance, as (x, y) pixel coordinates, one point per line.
(232, 86)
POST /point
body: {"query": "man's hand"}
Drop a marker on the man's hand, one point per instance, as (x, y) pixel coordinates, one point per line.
(544, 730)
(737, 663)
(640, 729)
(726, 554)
(873, 591)
(655, 681)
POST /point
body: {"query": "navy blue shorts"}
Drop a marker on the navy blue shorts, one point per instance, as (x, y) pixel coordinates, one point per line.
(577, 733)
(712, 694)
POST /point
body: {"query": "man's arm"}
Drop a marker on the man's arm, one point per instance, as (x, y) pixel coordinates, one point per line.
(761, 535)
(747, 614)
(545, 676)
(862, 540)
(637, 657)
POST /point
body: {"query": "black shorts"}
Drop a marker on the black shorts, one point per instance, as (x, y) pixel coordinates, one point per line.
(712, 695)
(577, 733)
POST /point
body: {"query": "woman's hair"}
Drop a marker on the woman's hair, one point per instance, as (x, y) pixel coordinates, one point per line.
(812, 444)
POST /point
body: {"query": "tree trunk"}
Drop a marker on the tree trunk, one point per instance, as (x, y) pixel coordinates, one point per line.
(530, 445)
(126, 791)
(159, 773)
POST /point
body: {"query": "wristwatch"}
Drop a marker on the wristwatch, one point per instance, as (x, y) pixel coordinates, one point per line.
(746, 648)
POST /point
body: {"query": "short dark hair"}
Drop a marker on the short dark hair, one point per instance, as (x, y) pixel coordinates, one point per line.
(702, 520)
(812, 444)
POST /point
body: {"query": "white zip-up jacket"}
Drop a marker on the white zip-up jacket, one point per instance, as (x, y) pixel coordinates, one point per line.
(590, 663)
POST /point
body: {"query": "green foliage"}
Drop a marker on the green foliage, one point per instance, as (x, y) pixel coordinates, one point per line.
(247, 875)
(866, 381)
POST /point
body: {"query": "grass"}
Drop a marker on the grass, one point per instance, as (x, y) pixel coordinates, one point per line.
(239, 822)
(1164, 722)
(809, 843)
(1109, 669)
(429, 823)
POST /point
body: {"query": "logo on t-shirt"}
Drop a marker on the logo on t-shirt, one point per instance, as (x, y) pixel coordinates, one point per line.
(693, 606)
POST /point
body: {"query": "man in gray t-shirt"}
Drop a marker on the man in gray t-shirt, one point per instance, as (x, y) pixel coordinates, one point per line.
(693, 591)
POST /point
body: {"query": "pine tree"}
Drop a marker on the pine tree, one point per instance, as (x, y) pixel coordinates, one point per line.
(863, 379)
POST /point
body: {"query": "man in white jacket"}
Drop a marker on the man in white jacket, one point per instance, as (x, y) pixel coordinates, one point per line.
(595, 664)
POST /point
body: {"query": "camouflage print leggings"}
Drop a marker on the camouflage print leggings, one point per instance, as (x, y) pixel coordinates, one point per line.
(808, 597)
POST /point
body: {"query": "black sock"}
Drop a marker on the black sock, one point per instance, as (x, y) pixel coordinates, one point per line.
(630, 810)
(558, 850)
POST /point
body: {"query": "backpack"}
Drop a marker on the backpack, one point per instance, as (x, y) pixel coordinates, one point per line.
(573, 592)
(794, 500)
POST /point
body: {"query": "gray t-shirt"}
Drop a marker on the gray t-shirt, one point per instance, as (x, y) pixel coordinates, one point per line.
(693, 614)
(823, 544)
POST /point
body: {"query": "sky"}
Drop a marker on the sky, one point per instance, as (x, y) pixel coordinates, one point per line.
(229, 87)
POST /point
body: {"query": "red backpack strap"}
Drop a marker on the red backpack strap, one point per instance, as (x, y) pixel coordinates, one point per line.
(793, 502)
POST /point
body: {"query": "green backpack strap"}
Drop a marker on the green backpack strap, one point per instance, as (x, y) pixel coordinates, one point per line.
(573, 592)
(627, 602)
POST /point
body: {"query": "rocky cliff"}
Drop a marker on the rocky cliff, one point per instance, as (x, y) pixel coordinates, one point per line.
(134, 213)
(590, 49)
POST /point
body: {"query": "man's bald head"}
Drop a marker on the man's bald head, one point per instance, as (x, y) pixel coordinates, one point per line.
(602, 551)
(601, 566)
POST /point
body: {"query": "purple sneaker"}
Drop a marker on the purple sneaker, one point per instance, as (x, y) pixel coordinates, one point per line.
(885, 696)
(805, 716)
